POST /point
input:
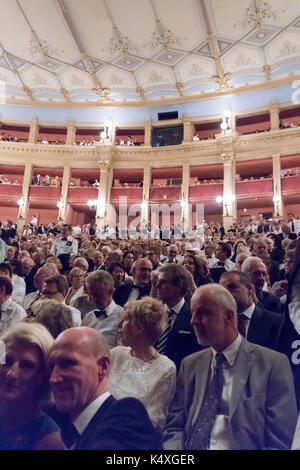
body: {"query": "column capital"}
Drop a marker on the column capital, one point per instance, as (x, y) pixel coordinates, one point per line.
(228, 158)
(105, 165)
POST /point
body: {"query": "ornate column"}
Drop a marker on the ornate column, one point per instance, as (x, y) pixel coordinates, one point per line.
(103, 194)
(33, 132)
(226, 144)
(62, 207)
(148, 127)
(184, 199)
(274, 115)
(146, 193)
(277, 199)
(23, 206)
(71, 132)
(187, 128)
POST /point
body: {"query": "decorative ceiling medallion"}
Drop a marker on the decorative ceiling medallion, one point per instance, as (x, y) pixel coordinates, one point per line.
(204, 50)
(241, 60)
(38, 46)
(76, 82)
(261, 36)
(16, 61)
(121, 43)
(288, 48)
(196, 70)
(257, 12)
(224, 46)
(128, 62)
(114, 79)
(154, 77)
(38, 80)
(49, 64)
(164, 38)
(169, 57)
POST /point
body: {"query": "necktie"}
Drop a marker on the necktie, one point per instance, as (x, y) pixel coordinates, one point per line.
(200, 435)
(70, 435)
(161, 345)
(64, 239)
(220, 263)
(293, 227)
(242, 324)
(100, 313)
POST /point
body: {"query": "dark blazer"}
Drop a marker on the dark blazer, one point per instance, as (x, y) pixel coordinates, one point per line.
(287, 334)
(122, 293)
(264, 327)
(216, 273)
(182, 340)
(274, 272)
(120, 425)
(263, 228)
(269, 302)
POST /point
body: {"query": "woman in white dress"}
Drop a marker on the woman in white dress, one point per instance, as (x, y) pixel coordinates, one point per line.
(137, 369)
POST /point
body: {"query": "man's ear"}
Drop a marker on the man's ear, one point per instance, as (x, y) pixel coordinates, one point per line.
(103, 366)
(252, 292)
(229, 315)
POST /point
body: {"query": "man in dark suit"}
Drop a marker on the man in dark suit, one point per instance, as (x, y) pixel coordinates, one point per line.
(257, 273)
(256, 324)
(141, 286)
(178, 341)
(263, 227)
(235, 395)
(79, 364)
(289, 334)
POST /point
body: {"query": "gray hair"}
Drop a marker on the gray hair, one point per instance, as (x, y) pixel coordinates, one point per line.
(100, 277)
(247, 264)
(56, 317)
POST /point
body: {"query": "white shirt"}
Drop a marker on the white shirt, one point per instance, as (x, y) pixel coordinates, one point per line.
(76, 230)
(108, 325)
(19, 289)
(76, 315)
(212, 262)
(229, 265)
(220, 438)
(11, 313)
(60, 246)
(176, 309)
(82, 421)
(248, 313)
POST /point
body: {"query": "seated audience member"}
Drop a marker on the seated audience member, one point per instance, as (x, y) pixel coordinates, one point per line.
(137, 369)
(29, 269)
(107, 314)
(56, 288)
(10, 311)
(56, 317)
(209, 251)
(118, 273)
(196, 267)
(171, 285)
(44, 141)
(128, 260)
(84, 302)
(19, 286)
(277, 252)
(79, 363)
(11, 253)
(54, 260)
(258, 325)
(48, 270)
(172, 254)
(257, 273)
(46, 181)
(141, 286)
(98, 259)
(260, 410)
(280, 288)
(76, 278)
(261, 250)
(153, 254)
(239, 247)
(23, 387)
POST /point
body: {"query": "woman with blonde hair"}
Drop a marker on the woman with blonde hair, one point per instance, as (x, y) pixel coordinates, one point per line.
(137, 369)
(23, 387)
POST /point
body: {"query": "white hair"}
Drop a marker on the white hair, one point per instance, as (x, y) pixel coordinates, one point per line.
(247, 264)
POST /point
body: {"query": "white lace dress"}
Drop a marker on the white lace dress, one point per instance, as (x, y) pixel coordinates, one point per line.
(153, 383)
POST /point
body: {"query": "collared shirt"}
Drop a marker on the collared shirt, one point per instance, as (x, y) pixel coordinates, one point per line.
(82, 421)
(176, 309)
(76, 315)
(11, 313)
(61, 247)
(228, 264)
(248, 313)
(107, 324)
(220, 438)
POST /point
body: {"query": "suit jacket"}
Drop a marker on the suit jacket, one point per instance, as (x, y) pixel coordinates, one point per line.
(263, 228)
(262, 408)
(264, 327)
(120, 425)
(288, 334)
(274, 272)
(122, 293)
(182, 340)
(269, 301)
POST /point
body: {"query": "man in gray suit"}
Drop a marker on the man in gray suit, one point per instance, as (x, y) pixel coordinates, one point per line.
(233, 395)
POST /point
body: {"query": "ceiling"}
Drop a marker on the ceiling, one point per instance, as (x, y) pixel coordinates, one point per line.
(139, 51)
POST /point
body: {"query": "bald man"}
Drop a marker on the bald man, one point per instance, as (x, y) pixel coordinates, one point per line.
(234, 394)
(79, 363)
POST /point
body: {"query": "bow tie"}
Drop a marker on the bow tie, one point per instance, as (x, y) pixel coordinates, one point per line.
(99, 313)
(220, 263)
(64, 239)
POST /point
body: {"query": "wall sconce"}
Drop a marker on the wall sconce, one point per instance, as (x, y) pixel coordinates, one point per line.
(105, 134)
(144, 205)
(92, 203)
(276, 199)
(219, 199)
(225, 124)
(21, 201)
(60, 204)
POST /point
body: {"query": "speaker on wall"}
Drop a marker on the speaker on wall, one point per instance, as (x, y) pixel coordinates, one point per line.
(168, 116)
